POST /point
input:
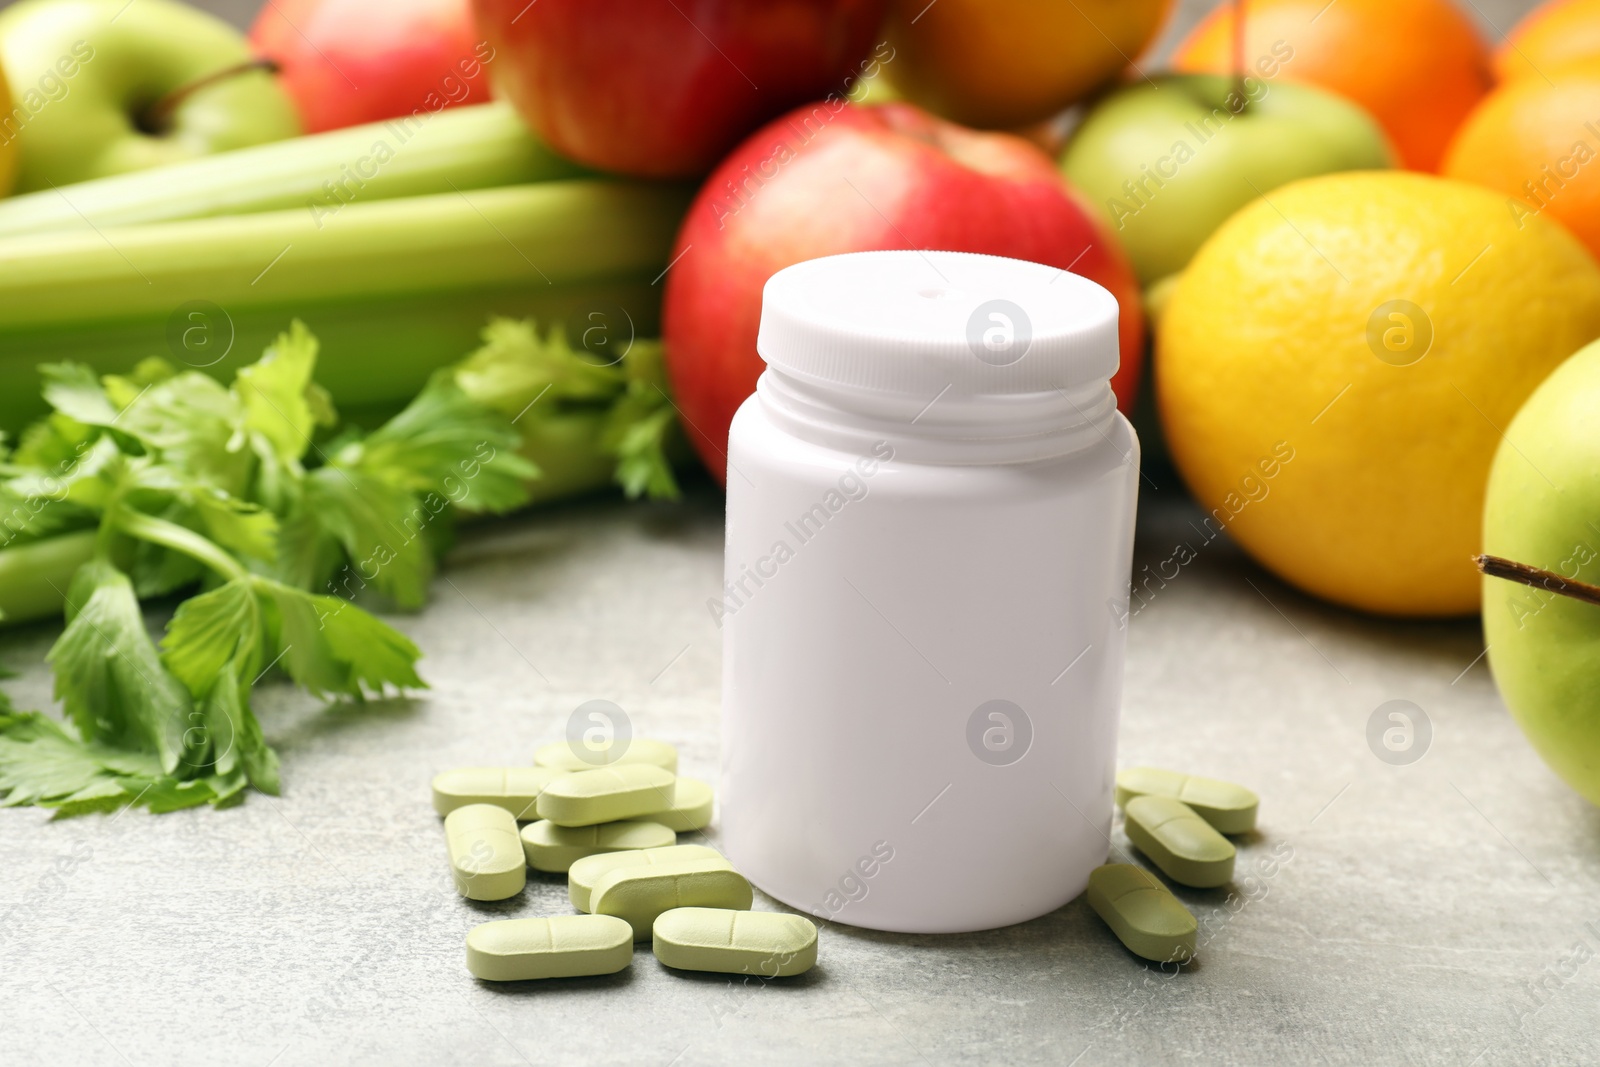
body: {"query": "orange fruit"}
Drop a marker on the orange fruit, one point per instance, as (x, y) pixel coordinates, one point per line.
(1003, 64)
(1417, 66)
(1551, 36)
(1538, 141)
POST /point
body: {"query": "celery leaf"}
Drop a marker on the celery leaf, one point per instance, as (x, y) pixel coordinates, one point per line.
(515, 367)
(527, 376)
(109, 676)
(331, 647)
(75, 391)
(381, 528)
(211, 632)
(281, 403)
(446, 443)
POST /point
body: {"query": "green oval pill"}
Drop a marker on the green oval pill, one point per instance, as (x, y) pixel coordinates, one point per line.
(691, 807)
(610, 794)
(1186, 847)
(1142, 912)
(562, 946)
(584, 873)
(555, 848)
(486, 857)
(514, 788)
(640, 894)
(1230, 808)
(765, 943)
(568, 758)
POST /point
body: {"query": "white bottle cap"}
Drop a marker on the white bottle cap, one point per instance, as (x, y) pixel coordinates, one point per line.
(921, 322)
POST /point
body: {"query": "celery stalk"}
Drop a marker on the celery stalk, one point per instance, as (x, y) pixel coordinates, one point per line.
(34, 577)
(463, 148)
(544, 234)
(376, 354)
(394, 288)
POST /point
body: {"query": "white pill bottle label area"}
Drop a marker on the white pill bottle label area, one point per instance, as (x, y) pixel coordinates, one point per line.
(929, 541)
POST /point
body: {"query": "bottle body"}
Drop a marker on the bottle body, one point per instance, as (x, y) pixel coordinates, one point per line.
(922, 670)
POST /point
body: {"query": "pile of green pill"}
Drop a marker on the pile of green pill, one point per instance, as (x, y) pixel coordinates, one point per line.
(1178, 822)
(610, 823)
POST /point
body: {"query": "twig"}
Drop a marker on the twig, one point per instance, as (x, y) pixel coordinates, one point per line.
(1512, 571)
(157, 118)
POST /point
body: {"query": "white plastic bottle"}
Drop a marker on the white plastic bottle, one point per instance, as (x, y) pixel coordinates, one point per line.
(930, 527)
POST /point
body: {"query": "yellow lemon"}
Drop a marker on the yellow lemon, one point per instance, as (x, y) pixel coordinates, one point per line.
(1336, 367)
(8, 139)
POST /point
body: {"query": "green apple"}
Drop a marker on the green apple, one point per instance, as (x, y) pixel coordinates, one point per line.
(1543, 511)
(105, 86)
(1168, 160)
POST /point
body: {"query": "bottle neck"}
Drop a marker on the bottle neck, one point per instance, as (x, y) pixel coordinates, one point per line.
(942, 429)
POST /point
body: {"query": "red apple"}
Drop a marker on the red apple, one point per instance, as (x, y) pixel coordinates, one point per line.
(347, 62)
(664, 88)
(840, 178)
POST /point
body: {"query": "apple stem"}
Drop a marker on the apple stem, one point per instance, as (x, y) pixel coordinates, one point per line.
(1539, 578)
(157, 118)
(1238, 54)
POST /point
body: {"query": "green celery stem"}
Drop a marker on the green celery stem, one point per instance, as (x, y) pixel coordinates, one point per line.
(393, 289)
(549, 233)
(180, 539)
(34, 577)
(463, 148)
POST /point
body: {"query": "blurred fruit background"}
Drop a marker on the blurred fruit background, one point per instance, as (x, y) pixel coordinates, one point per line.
(1417, 66)
(1349, 239)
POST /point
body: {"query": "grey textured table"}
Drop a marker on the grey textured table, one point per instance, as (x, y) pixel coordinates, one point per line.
(1442, 912)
